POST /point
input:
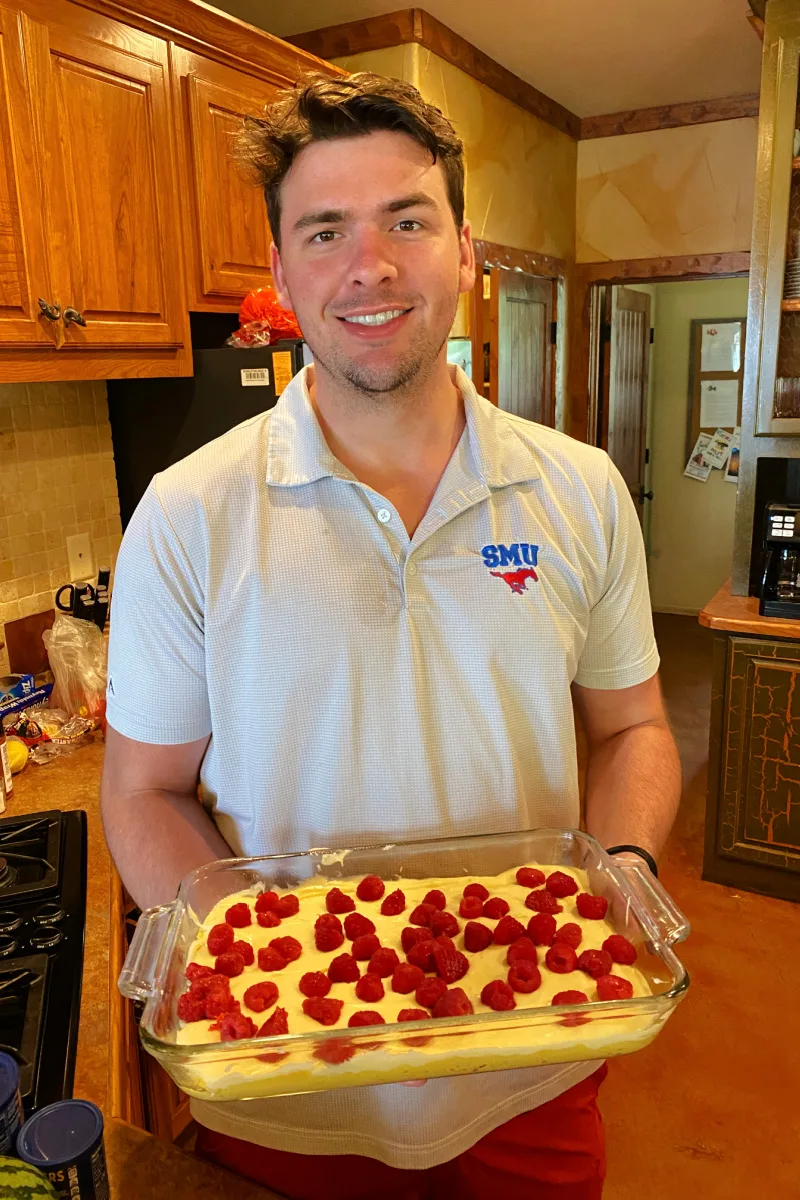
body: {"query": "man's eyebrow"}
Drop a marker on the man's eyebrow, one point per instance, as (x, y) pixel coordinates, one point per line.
(417, 200)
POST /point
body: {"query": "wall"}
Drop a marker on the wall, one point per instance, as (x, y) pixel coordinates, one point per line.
(521, 172)
(691, 536)
(56, 479)
(668, 192)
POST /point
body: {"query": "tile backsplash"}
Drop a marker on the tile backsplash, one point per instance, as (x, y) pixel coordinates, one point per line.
(56, 478)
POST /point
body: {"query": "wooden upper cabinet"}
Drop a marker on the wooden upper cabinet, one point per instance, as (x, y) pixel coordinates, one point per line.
(109, 184)
(227, 234)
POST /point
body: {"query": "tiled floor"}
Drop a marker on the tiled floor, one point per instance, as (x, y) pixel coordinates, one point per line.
(713, 1107)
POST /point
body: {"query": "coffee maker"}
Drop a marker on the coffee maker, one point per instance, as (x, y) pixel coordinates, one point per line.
(780, 584)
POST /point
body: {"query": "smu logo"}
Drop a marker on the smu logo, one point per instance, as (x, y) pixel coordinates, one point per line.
(522, 555)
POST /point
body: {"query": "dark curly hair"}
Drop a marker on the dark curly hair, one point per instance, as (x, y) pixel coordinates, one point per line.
(319, 108)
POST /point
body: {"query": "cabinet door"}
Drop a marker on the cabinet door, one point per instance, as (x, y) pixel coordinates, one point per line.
(109, 186)
(229, 254)
(23, 272)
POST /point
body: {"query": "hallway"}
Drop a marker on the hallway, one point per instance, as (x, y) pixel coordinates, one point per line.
(711, 1108)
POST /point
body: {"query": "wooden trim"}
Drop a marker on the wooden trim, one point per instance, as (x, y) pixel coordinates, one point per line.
(494, 254)
(757, 24)
(669, 116)
(416, 25)
(125, 1097)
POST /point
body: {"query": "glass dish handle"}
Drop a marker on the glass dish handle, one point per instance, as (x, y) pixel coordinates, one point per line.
(137, 977)
(668, 922)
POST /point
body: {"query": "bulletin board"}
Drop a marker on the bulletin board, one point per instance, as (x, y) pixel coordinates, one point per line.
(716, 372)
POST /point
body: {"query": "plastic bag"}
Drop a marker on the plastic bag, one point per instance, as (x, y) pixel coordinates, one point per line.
(77, 653)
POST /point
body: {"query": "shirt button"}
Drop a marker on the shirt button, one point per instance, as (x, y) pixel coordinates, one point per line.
(383, 515)
(411, 569)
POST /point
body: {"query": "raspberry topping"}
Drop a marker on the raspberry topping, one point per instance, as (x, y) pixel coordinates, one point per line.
(270, 959)
(614, 987)
(570, 998)
(314, 983)
(451, 964)
(234, 1026)
(266, 902)
(595, 963)
(325, 1009)
(191, 1008)
(542, 929)
(355, 925)
(507, 930)
(231, 964)
(476, 936)
(454, 1003)
(343, 969)
(196, 971)
(337, 1050)
(413, 934)
(371, 887)
(499, 996)
(620, 949)
(423, 914)
(337, 902)
(220, 939)
(543, 901)
(524, 976)
(429, 991)
(495, 908)
(268, 920)
(476, 889)
(370, 988)
(247, 952)
(522, 948)
(436, 898)
(287, 906)
(407, 978)
(365, 946)
(365, 1017)
(444, 923)
(261, 996)
(560, 884)
(530, 877)
(219, 1003)
(561, 958)
(414, 1014)
(421, 955)
(276, 1024)
(383, 962)
(394, 904)
(471, 908)
(289, 947)
(239, 915)
(570, 934)
(591, 908)
(327, 935)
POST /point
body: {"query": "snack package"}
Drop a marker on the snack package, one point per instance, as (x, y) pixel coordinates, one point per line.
(77, 653)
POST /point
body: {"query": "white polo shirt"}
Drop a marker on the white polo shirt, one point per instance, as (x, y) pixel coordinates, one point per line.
(363, 685)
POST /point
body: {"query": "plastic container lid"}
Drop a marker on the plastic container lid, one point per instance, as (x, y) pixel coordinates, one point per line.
(60, 1133)
(9, 1078)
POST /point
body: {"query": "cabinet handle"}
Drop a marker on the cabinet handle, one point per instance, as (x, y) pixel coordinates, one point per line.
(51, 311)
(73, 317)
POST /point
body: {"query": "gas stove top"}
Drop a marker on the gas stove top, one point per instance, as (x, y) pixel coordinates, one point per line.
(42, 916)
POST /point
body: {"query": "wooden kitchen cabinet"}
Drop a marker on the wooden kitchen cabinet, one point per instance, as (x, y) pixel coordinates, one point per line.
(226, 231)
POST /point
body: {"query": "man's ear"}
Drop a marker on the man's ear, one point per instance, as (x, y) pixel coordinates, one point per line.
(466, 275)
(278, 277)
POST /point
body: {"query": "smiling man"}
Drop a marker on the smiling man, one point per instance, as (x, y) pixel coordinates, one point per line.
(368, 614)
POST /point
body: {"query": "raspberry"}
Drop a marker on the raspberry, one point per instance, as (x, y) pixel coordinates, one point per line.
(451, 965)
(436, 898)
(270, 959)
(266, 901)
(591, 908)
(234, 1026)
(208, 984)
(196, 971)
(542, 929)
(394, 904)
(337, 902)
(343, 969)
(495, 908)
(570, 934)
(217, 1006)
(620, 949)
(407, 978)
(230, 964)
(507, 930)
(522, 949)
(442, 940)
(476, 936)
(325, 1010)
(287, 906)
(220, 939)
(423, 914)
(413, 934)
(371, 887)
(289, 947)
(524, 976)
(414, 1014)
(191, 1008)
(530, 877)
(421, 955)
(560, 884)
(273, 1057)
(476, 889)
(429, 991)
(499, 996)
(357, 926)
(328, 936)
(239, 915)
(595, 963)
(268, 920)
(454, 1003)
(247, 952)
(275, 1025)
(370, 988)
(365, 1017)
(329, 919)
(260, 996)
(614, 987)
(337, 1050)
(364, 947)
(561, 958)
(444, 923)
(471, 908)
(383, 962)
(314, 983)
(543, 901)
(570, 998)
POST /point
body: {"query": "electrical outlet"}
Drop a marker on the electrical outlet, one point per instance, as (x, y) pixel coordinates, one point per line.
(81, 560)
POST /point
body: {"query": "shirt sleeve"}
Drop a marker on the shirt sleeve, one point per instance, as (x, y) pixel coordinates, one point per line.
(620, 649)
(157, 689)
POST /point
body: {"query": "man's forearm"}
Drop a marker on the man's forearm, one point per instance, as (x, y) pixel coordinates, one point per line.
(633, 788)
(156, 838)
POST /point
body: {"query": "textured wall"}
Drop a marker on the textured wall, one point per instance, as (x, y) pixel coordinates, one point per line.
(668, 192)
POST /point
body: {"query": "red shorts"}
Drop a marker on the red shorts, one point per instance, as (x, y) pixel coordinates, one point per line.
(554, 1152)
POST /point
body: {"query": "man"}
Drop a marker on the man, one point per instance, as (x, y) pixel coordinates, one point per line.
(364, 617)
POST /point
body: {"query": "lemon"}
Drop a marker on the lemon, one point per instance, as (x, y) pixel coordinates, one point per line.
(17, 754)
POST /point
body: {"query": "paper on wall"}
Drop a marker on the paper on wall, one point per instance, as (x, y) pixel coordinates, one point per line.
(718, 449)
(721, 346)
(732, 471)
(697, 467)
(719, 403)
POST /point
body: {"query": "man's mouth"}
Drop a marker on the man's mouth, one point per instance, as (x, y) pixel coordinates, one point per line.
(378, 318)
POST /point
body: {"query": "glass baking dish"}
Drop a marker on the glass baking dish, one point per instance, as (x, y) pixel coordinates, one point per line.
(639, 908)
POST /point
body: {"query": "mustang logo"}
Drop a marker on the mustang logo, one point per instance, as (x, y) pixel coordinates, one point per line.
(517, 580)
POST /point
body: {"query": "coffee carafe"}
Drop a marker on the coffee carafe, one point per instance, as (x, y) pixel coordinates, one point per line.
(780, 585)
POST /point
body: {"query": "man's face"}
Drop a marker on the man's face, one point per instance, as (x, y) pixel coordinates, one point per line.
(370, 258)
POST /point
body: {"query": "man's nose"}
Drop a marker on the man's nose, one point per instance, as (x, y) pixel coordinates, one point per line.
(372, 262)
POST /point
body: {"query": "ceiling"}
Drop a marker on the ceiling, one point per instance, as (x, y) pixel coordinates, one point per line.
(592, 57)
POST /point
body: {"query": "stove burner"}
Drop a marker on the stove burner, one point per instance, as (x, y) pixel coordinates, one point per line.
(8, 945)
(10, 921)
(7, 874)
(48, 914)
(45, 937)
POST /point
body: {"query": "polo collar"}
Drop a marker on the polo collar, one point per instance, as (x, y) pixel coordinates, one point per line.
(297, 452)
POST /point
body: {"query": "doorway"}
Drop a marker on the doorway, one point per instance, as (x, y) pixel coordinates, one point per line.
(520, 343)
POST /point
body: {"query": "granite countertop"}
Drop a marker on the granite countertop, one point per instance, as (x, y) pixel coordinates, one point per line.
(739, 614)
(140, 1166)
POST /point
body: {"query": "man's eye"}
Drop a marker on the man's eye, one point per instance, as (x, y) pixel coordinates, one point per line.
(408, 225)
(325, 235)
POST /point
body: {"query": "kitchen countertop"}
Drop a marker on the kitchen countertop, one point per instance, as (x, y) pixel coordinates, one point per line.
(140, 1166)
(739, 614)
